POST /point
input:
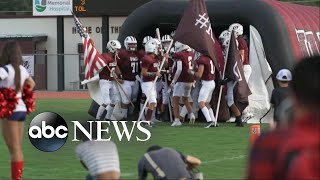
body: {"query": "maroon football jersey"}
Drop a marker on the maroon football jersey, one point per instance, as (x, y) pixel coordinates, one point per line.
(151, 64)
(105, 73)
(243, 46)
(128, 64)
(169, 74)
(186, 59)
(209, 69)
(141, 54)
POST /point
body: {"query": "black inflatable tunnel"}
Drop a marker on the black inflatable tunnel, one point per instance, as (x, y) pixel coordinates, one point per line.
(288, 31)
(276, 22)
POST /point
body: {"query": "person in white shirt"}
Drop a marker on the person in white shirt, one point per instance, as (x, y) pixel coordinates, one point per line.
(100, 158)
(14, 75)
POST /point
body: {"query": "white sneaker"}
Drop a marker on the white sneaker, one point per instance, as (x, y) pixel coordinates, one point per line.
(247, 117)
(155, 120)
(192, 120)
(210, 124)
(176, 123)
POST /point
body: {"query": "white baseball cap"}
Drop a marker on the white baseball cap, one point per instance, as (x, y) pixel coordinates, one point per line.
(284, 75)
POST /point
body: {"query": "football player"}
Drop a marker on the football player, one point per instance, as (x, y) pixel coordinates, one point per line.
(230, 88)
(141, 54)
(244, 53)
(206, 72)
(149, 71)
(107, 82)
(166, 79)
(182, 80)
(224, 39)
(128, 64)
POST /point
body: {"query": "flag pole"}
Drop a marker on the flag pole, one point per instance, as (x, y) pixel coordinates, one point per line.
(85, 30)
(221, 87)
(165, 76)
(85, 55)
(154, 82)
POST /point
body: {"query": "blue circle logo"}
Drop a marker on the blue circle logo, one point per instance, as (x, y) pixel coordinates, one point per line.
(48, 132)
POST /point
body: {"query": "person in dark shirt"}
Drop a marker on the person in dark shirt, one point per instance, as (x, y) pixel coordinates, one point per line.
(293, 152)
(281, 93)
(166, 163)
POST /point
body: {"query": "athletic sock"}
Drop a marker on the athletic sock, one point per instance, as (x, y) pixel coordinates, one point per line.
(206, 113)
(100, 112)
(212, 115)
(183, 112)
(16, 170)
(149, 114)
(109, 111)
(153, 114)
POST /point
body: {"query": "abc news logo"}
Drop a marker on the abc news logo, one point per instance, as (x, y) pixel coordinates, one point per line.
(48, 131)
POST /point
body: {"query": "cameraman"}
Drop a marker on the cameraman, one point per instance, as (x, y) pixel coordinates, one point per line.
(166, 163)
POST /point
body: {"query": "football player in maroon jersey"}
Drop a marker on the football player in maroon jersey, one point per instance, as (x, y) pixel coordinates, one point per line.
(182, 80)
(107, 84)
(244, 53)
(149, 71)
(128, 64)
(141, 54)
(206, 72)
(166, 79)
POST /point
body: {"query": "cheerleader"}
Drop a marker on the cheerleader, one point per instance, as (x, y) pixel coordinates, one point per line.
(14, 75)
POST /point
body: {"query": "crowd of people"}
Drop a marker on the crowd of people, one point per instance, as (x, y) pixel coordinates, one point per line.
(185, 83)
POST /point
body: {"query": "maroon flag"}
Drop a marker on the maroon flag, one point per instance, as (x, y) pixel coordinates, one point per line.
(93, 61)
(195, 30)
(234, 72)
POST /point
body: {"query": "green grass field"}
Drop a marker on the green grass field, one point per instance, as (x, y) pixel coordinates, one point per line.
(223, 150)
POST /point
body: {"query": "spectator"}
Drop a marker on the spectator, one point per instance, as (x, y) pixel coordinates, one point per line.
(281, 93)
(100, 158)
(293, 153)
(166, 163)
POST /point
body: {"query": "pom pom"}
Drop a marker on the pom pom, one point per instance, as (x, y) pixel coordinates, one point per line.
(29, 99)
(8, 102)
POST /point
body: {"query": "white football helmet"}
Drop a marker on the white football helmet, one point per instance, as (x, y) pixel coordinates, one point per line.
(113, 46)
(130, 43)
(152, 46)
(237, 28)
(145, 40)
(225, 43)
(180, 47)
(165, 40)
(224, 35)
